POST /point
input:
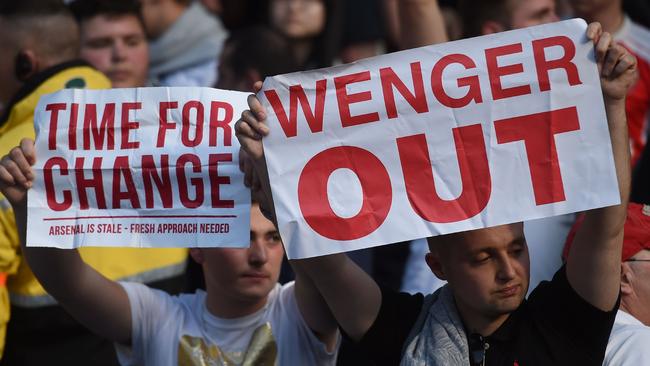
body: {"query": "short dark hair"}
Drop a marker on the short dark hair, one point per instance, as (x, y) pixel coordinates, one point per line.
(33, 8)
(46, 25)
(246, 45)
(475, 13)
(86, 9)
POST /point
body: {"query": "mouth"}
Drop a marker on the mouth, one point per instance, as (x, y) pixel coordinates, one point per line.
(119, 75)
(255, 275)
(509, 291)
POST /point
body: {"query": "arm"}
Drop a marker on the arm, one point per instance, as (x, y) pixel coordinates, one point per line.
(420, 23)
(352, 296)
(97, 302)
(594, 262)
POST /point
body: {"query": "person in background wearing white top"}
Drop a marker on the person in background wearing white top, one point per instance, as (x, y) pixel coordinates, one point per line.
(244, 318)
(629, 342)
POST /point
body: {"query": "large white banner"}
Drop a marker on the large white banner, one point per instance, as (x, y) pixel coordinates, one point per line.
(146, 167)
(439, 139)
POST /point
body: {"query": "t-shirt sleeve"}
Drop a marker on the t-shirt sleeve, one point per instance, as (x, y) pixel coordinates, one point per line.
(150, 309)
(384, 340)
(568, 318)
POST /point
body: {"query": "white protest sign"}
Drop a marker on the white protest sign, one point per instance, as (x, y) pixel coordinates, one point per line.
(146, 167)
(439, 139)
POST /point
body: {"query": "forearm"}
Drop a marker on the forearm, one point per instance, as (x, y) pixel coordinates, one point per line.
(54, 268)
(609, 221)
(352, 296)
(95, 301)
(314, 309)
(421, 23)
(594, 262)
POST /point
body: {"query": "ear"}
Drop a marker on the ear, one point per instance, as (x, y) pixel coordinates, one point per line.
(251, 77)
(433, 261)
(197, 255)
(491, 26)
(26, 65)
(627, 278)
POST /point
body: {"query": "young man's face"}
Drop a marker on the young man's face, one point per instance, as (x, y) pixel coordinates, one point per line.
(526, 13)
(488, 269)
(246, 275)
(117, 47)
(587, 7)
(298, 19)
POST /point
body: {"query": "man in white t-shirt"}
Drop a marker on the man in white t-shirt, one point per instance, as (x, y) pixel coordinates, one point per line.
(244, 318)
(629, 343)
(630, 336)
(253, 320)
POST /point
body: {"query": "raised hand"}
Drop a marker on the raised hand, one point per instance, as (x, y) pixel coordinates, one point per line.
(617, 67)
(16, 174)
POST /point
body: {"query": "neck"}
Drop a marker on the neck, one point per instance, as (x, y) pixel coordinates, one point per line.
(610, 16)
(301, 50)
(221, 305)
(478, 323)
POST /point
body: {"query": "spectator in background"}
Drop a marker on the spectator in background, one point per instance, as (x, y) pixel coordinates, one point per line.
(185, 42)
(363, 33)
(492, 16)
(636, 39)
(453, 22)
(313, 28)
(240, 65)
(630, 337)
(113, 40)
(39, 46)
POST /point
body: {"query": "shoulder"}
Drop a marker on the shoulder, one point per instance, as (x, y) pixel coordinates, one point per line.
(79, 75)
(147, 299)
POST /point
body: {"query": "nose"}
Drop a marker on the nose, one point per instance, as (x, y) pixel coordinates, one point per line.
(118, 51)
(506, 268)
(257, 253)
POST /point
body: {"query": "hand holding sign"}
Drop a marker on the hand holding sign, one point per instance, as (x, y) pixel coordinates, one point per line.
(16, 174)
(250, 130)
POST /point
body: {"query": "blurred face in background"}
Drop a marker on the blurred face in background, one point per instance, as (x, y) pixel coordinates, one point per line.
(116, 46)
(526, 13)
(298, 19)
(591, 6)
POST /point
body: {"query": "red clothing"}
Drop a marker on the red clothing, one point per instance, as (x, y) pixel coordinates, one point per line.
(637, 40)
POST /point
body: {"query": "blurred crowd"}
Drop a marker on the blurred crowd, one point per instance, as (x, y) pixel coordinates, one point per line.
(48, 45)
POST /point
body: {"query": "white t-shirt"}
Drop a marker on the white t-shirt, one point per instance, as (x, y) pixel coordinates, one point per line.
(179, 330)
(629, 342)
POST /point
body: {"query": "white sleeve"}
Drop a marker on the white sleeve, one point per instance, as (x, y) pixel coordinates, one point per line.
(632, 350)
(149, 309)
